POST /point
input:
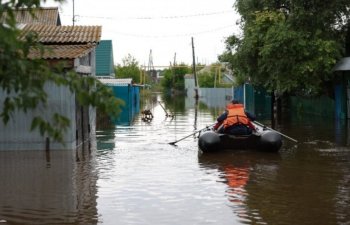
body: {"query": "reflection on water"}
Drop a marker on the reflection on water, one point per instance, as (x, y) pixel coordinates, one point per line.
(236, 170)
(133, 176)
(47, 188)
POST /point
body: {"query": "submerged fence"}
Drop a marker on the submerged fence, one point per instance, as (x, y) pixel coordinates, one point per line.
(259, 101)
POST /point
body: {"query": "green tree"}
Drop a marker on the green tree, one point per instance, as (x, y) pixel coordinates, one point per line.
(167, 80)
(173, 78)
(22, 79)
(128, 69)
(209, 76)
(206, 79)
(288, 46)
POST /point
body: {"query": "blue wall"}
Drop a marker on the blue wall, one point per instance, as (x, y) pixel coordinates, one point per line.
(131, 96)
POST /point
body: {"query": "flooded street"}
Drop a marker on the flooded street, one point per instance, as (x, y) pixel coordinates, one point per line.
(132, 175)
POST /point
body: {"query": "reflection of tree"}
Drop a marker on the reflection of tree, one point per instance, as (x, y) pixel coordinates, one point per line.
(106, 139)
(148, 101)
(299, 190)
(342, 198)
(174, 104)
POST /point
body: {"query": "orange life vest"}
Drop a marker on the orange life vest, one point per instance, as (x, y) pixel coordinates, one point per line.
(236, 115)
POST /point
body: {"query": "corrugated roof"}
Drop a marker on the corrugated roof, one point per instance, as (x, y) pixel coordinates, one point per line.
(62, 51)
(104, 58)
(42, 15)
(63, 42)
(64, 34)
(116, 82)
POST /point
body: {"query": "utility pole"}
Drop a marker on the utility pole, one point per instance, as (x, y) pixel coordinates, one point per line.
(173, 69)
(194, 73)
(175, 59)
(73, 14)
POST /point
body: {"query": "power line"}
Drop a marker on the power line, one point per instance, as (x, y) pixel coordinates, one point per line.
(156, 17)
(175, 35)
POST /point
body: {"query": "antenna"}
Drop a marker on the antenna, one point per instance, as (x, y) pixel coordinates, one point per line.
(151, 70)
(150, 61)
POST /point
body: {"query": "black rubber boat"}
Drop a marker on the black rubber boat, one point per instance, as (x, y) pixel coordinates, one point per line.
(262, 140)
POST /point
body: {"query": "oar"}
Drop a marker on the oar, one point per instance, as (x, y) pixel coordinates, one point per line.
(173, 143)
(166, 113)
(256, 122)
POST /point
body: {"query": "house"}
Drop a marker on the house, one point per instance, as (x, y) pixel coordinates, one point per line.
(75, 46)
(125, 90)
(44, 16)
(104, 59)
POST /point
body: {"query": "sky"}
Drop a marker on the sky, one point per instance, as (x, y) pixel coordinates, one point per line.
(157, 31)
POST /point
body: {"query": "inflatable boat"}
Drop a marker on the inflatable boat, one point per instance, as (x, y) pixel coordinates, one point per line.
(262, 140)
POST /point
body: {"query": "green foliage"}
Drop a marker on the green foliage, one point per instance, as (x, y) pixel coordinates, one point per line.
(54, 128)
(129, 69)
(288, 46)
(22, 80)
(206, 79)
(167, 79)
(174, 77)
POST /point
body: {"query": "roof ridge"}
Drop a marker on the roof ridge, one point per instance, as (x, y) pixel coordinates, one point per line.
(49, 8)
(49, 34)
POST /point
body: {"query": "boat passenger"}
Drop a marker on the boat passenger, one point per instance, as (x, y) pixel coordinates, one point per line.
(235, 120)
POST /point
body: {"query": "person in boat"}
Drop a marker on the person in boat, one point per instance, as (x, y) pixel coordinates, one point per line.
(235, 120)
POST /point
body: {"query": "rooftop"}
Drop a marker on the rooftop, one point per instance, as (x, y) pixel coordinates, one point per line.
(63, 42)
(62, 51)
(42, 15)
(116, 82)
(48, 34)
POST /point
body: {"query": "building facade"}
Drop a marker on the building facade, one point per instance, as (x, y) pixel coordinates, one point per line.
(75, 47)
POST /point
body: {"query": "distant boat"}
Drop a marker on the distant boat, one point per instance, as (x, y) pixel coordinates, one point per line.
(262, 140)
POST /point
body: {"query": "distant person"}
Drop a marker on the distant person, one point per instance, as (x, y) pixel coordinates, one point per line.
(235, 120)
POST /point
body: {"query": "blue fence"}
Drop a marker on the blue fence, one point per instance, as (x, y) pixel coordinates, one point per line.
(131, 97)
(256, 100)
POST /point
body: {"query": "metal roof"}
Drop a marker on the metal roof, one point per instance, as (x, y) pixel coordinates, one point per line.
(62, 51)
(342, 65)
(116, 82)
(104, 58)
(48, 34)
(42, 15)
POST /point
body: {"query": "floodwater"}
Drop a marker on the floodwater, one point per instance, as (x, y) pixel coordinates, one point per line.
(132, 175)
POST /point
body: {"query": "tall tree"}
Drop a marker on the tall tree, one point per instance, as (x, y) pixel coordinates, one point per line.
(23, 79)
(174, 77)
(289, 46)
(128, 69)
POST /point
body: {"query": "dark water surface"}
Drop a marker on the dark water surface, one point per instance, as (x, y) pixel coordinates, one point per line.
(132, 175)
